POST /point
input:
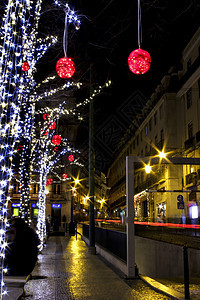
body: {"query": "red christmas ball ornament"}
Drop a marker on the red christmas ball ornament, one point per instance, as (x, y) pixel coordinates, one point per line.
(25, 66)
(139, 61)
(56, 149)
(45, 116)
(65, 67)
(64, 175)
(52, 126)
(56, 140)
(49, 181)
(71, 157)
(46, 132)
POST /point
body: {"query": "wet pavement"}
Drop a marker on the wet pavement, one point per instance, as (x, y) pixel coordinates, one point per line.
(66, 270)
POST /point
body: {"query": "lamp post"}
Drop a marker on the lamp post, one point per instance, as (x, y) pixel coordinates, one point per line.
(91, 173)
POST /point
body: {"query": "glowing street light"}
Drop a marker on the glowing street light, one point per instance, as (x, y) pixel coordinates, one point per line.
(147, 169)
(162, 154)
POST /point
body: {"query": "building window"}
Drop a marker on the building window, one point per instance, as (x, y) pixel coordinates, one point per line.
(150, 124)
(155, 118)
(189, 63)
(156, 140)
(199, 86)
(141, 152)
(141, 136)
(189, 98)
(145, 130)
(137, 140)
(190, 130)
(162, 138)
(146, 150)
(161, 111)
(134, 145)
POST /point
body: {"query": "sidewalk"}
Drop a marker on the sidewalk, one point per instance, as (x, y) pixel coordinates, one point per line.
(66, 270)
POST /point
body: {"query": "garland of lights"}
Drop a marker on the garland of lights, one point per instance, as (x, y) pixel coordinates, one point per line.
(84, 103)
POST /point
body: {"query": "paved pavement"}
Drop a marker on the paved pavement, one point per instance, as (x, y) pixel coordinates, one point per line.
(66, 270)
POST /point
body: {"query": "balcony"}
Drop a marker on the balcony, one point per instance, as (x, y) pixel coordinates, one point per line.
(198, 137)
(191, 178)
(189, 143)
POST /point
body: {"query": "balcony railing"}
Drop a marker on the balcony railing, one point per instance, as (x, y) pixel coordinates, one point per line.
(189, 143)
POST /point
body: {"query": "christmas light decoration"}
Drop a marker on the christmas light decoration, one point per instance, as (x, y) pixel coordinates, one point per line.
(25, 66)
(139, 61)
(56, 140)
(71, 158)
(64, 175)
(65, 67)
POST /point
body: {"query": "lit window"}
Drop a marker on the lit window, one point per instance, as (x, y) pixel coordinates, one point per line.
(145, 130)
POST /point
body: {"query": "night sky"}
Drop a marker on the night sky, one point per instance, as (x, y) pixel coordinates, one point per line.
(107, 36)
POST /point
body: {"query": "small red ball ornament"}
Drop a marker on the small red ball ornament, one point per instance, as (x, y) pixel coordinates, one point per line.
(46, 132)
(49, 181)
(45, 116)
(64, 175)
(25, 66)
(71, 157)
(65, 67)
(56, 140)
(139, 61)
(52, 126)
(56, 149)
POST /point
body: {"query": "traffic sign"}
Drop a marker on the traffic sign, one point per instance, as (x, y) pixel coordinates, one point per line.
(180, 198)
(180, 205)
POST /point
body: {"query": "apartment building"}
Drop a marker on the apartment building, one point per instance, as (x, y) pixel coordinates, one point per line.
(169, 123)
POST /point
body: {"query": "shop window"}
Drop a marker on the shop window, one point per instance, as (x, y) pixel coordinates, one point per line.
(189, 98)
(54, 189)
(58, 189)
(35, 189)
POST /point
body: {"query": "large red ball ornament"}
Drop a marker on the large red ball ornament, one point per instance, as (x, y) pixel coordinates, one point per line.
(71, 157)
(64, 175)
(56, 140)
(65, 67)
(25, 66)
(139, 61)
(52, 126)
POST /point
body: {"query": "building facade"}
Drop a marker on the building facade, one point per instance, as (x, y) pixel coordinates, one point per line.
(170, 124)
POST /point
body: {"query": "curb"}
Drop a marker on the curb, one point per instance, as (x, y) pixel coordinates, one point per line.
(157, 286)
